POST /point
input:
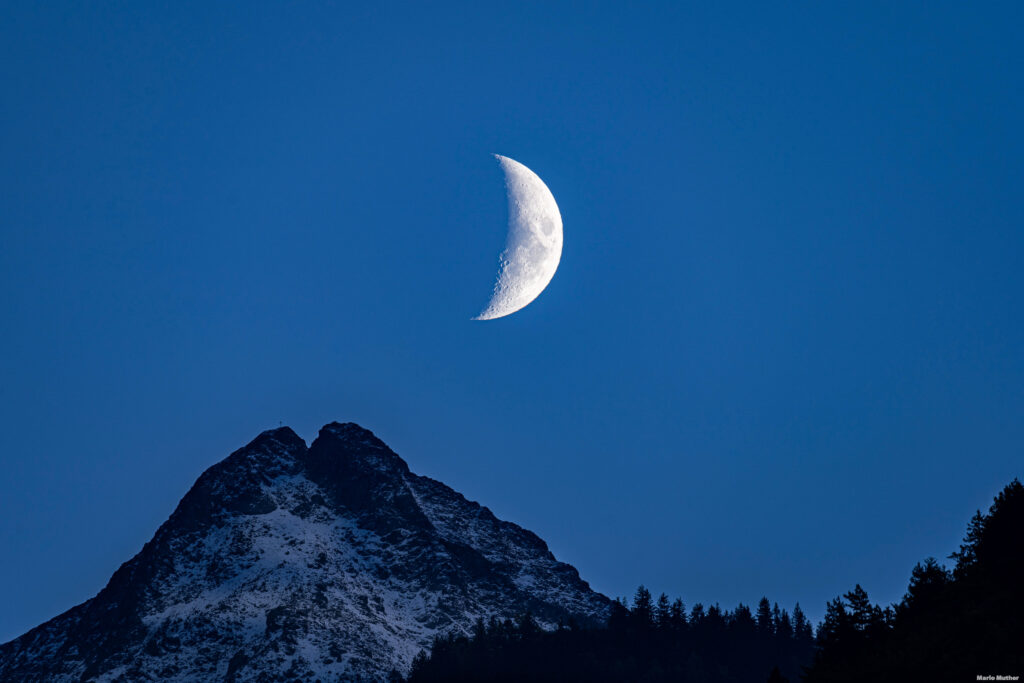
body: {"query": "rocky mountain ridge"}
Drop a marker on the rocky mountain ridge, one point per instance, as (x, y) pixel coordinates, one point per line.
(332, 562)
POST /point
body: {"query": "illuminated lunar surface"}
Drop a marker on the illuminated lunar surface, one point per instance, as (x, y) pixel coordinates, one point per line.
(533, 246)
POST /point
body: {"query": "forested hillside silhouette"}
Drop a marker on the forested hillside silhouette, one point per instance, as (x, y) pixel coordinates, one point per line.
(952, 625)
(650, 641)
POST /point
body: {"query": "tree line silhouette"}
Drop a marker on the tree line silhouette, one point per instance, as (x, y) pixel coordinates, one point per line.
(650, 641)
(952, 625)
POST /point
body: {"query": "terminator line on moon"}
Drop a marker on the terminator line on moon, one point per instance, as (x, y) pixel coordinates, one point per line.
(533, 246)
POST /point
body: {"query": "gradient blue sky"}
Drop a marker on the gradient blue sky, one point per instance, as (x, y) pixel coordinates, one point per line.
(782, 353)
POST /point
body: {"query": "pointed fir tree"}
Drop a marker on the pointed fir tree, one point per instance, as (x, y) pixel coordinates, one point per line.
(715, 617)
(677, 614)
(764, 618)
(742, 624)
(802, 629)
(865, 617)
(928, 583)
(836, 625)
(643, 608)
(784, 628)
(993, 549)
(662, 612)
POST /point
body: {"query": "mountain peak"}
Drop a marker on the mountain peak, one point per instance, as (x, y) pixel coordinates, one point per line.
(345, 447)
(353, 434)
(282, 435)
(329, 562)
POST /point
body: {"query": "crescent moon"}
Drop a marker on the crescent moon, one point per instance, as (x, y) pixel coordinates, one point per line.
(533, 246)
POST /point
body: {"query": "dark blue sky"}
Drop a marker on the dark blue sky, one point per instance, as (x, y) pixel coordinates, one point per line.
(782, 353)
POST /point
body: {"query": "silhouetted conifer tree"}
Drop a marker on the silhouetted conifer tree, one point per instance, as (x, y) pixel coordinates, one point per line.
(928, 583)
(662, 611)
(784, 627)
(743, 619)
(802, 629)
(677, 615)
(696, 614)
(643, 609)
(764, 618)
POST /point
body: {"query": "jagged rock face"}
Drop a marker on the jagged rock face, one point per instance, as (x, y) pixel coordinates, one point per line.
(283, 562)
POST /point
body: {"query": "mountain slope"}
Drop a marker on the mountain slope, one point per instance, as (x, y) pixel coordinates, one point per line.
(283, 562)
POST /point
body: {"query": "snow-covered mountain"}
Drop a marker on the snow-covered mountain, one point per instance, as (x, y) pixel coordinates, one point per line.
(332, 562)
